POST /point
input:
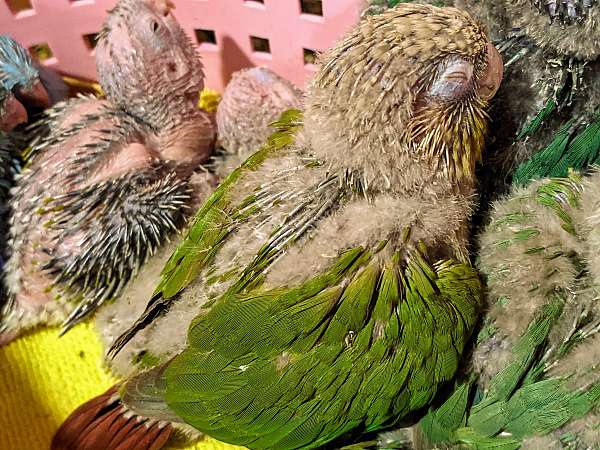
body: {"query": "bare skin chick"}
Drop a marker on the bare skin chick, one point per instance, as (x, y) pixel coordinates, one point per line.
(112, 181)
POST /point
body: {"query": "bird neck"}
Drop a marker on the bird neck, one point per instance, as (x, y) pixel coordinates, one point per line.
(187, 139)
(433, 163)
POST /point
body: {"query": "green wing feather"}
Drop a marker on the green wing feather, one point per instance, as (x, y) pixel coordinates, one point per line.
(567, 151)
(522, 400)
(538, 120)
(208, 230)
(352, 349)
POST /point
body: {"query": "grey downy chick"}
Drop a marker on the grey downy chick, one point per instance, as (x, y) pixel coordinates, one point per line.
(112, 180)
(251, 101)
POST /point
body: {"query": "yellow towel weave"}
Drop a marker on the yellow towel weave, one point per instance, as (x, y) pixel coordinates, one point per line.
(43, 378)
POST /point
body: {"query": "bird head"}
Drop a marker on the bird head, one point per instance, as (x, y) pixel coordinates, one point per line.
(253, 98)
(407, 87)
(19, 74)
(145, 61)
(12, 112)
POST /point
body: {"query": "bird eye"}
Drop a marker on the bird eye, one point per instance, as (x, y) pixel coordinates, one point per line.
(458, 76)
(454, 80)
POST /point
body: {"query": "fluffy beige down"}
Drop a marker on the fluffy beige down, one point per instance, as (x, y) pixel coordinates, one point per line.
(525, 273)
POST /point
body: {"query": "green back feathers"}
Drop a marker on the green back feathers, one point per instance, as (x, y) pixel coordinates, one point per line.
(354, 348)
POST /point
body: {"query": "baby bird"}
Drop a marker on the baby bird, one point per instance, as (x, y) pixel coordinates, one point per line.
(19, 74)
(113, 179)
(252, 100)
(325, 284)
(540, 257)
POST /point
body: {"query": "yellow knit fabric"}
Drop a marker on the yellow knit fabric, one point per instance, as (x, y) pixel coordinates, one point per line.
(43, 378)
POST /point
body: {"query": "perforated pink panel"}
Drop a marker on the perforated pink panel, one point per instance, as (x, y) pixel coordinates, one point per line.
(62, 24)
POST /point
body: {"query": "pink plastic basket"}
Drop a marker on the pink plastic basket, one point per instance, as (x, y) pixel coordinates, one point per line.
(231, 34)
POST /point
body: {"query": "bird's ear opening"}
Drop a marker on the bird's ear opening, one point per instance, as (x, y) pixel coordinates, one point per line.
(454, 80)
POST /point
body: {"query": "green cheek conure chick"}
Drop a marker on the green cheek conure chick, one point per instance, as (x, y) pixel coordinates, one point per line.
(325, 285)
(252, 100)
(540, 257)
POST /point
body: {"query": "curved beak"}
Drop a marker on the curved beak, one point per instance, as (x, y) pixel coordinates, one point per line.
(14, 114)
(36, 96)
(490, 82)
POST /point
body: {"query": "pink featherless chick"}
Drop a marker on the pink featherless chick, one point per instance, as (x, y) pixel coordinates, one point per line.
(114, 178)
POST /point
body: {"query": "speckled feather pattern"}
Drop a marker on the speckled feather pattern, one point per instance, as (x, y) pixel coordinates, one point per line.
(533, 253)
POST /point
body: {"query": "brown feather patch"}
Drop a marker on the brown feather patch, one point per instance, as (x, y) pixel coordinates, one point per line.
(104, 423)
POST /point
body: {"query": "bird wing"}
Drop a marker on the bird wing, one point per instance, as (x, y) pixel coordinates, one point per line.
(353, 348)
(571, 148)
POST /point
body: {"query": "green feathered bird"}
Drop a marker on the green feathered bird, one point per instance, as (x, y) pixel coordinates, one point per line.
(534, 377)
(328, 275)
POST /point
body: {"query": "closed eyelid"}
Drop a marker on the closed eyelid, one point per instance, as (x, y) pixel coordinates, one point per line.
(453, 80)
(458, 75)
